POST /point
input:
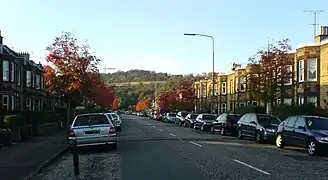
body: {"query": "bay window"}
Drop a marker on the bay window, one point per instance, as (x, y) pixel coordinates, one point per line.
(312, 69)
(300, 71)
(5, 70)
(28, 78)
(12, 70)
(242, 83)
(37, 81)
(224, 88)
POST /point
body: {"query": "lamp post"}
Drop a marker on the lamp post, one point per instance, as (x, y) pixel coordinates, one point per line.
(213, 73)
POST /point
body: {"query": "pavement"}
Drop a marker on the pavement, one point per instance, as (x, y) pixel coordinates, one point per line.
(21, 160)
(150, 149)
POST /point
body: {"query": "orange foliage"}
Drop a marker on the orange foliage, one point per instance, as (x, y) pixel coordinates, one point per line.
(142, 105)
(115, 104)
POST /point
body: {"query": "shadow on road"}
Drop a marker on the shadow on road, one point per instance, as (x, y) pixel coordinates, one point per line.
(96, 150)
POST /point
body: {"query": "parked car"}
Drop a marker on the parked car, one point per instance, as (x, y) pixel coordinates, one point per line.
(190, 120)
(204, 121)
(226, 123)
(169, 117)
(92, 129)
(116, 120)
(261, 127)
(181, 117)
(310, 132)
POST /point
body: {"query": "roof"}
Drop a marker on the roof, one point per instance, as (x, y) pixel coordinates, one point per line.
(88, 114)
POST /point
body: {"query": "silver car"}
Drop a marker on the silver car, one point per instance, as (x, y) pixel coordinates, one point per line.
(116, 120)
(93, 129)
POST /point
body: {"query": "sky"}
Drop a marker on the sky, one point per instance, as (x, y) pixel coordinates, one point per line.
(149, 34)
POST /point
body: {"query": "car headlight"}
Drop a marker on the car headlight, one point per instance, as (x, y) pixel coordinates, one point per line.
(324, 139)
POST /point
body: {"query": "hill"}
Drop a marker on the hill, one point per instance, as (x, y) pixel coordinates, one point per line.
(140, 84)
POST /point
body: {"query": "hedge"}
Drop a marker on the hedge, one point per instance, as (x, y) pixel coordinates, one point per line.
(11, 121)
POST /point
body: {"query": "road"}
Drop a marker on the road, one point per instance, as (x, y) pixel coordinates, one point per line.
(154, 150)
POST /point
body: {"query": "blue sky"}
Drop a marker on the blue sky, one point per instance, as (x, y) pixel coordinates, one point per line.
(148, 34)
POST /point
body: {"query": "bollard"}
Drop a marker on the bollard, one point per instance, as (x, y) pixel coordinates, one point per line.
(75, 158)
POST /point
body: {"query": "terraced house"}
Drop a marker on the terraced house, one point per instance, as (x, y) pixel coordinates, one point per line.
(22, 82)
(308, 84)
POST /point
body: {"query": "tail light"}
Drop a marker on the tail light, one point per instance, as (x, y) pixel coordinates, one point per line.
(112, 131)
(71, 132)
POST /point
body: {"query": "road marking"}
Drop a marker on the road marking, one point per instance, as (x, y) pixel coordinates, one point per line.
(153, 126)
(160, 129)
(173, 135)
(195, 143)
(252, 167)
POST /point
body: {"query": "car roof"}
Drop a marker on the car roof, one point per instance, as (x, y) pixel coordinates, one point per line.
(90, 114)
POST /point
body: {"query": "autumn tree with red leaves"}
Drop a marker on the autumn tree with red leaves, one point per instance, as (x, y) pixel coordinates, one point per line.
(181, 98)
(275, 72)
(75, 71)
(115, 105)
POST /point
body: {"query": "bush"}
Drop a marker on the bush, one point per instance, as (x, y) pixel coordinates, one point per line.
(12, 121)
(285, 110)
(249, 109)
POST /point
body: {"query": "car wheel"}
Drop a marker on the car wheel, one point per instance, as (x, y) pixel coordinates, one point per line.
(195, 126)
(222, 131)
(258, 137)
(240, 134)
(190, 125)
(280, 141)
(311, 147)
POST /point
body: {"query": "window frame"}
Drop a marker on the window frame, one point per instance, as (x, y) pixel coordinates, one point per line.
(224, 88)
(300, 71)
(28, 103)
(5, 71)
(308, 69)
(7, 101)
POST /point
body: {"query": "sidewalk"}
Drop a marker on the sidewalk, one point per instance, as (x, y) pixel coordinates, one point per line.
(19, 160)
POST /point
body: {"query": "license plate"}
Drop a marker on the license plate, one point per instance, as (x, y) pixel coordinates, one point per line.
(92, 132)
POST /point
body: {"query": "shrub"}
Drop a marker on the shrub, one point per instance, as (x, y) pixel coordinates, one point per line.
(285, 110)
(11, 121)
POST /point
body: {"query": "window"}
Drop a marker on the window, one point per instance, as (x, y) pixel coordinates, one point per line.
(33, 78)
(242, 104)
(291, 121)
(203, 91)
(255, 103)
(28, 78)
(42, 83)
(231, 86)
(288, 101)
(5, 101)
(279, 101)
(242, 83)
(300, 122)
(37, 104)
(301, 71)
(224, 107)
(312, 69)
(18, 103)
(312, 100)
(28, 103)
(37, 82)
(300, 100)
(12, 70)
(236, 84)
(5, 70)
(224, 88)
(289, 75)
(18, 76)
(215, 89)
(86, 120)
(12, 102)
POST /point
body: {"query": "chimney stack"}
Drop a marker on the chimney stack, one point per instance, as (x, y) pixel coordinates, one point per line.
(1, 38)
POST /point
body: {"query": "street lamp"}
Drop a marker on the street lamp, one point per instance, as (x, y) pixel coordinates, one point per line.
(213, 73)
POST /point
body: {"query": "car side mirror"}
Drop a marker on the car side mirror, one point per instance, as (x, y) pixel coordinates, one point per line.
(301, 127)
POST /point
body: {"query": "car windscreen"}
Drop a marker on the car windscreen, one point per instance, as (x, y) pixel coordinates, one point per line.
(172, 114)
(317, 123)
(266, 120)
(233, 118)
(193, 116)
(209, 117)
(184, 114)
(89, 120)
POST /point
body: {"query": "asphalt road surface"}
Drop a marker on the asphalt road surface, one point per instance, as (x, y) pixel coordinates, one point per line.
(151, 150)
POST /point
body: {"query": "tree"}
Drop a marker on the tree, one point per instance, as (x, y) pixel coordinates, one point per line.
(142, 105)
(72, 64)
(275, 64)
(50, 79)
(185, 96)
